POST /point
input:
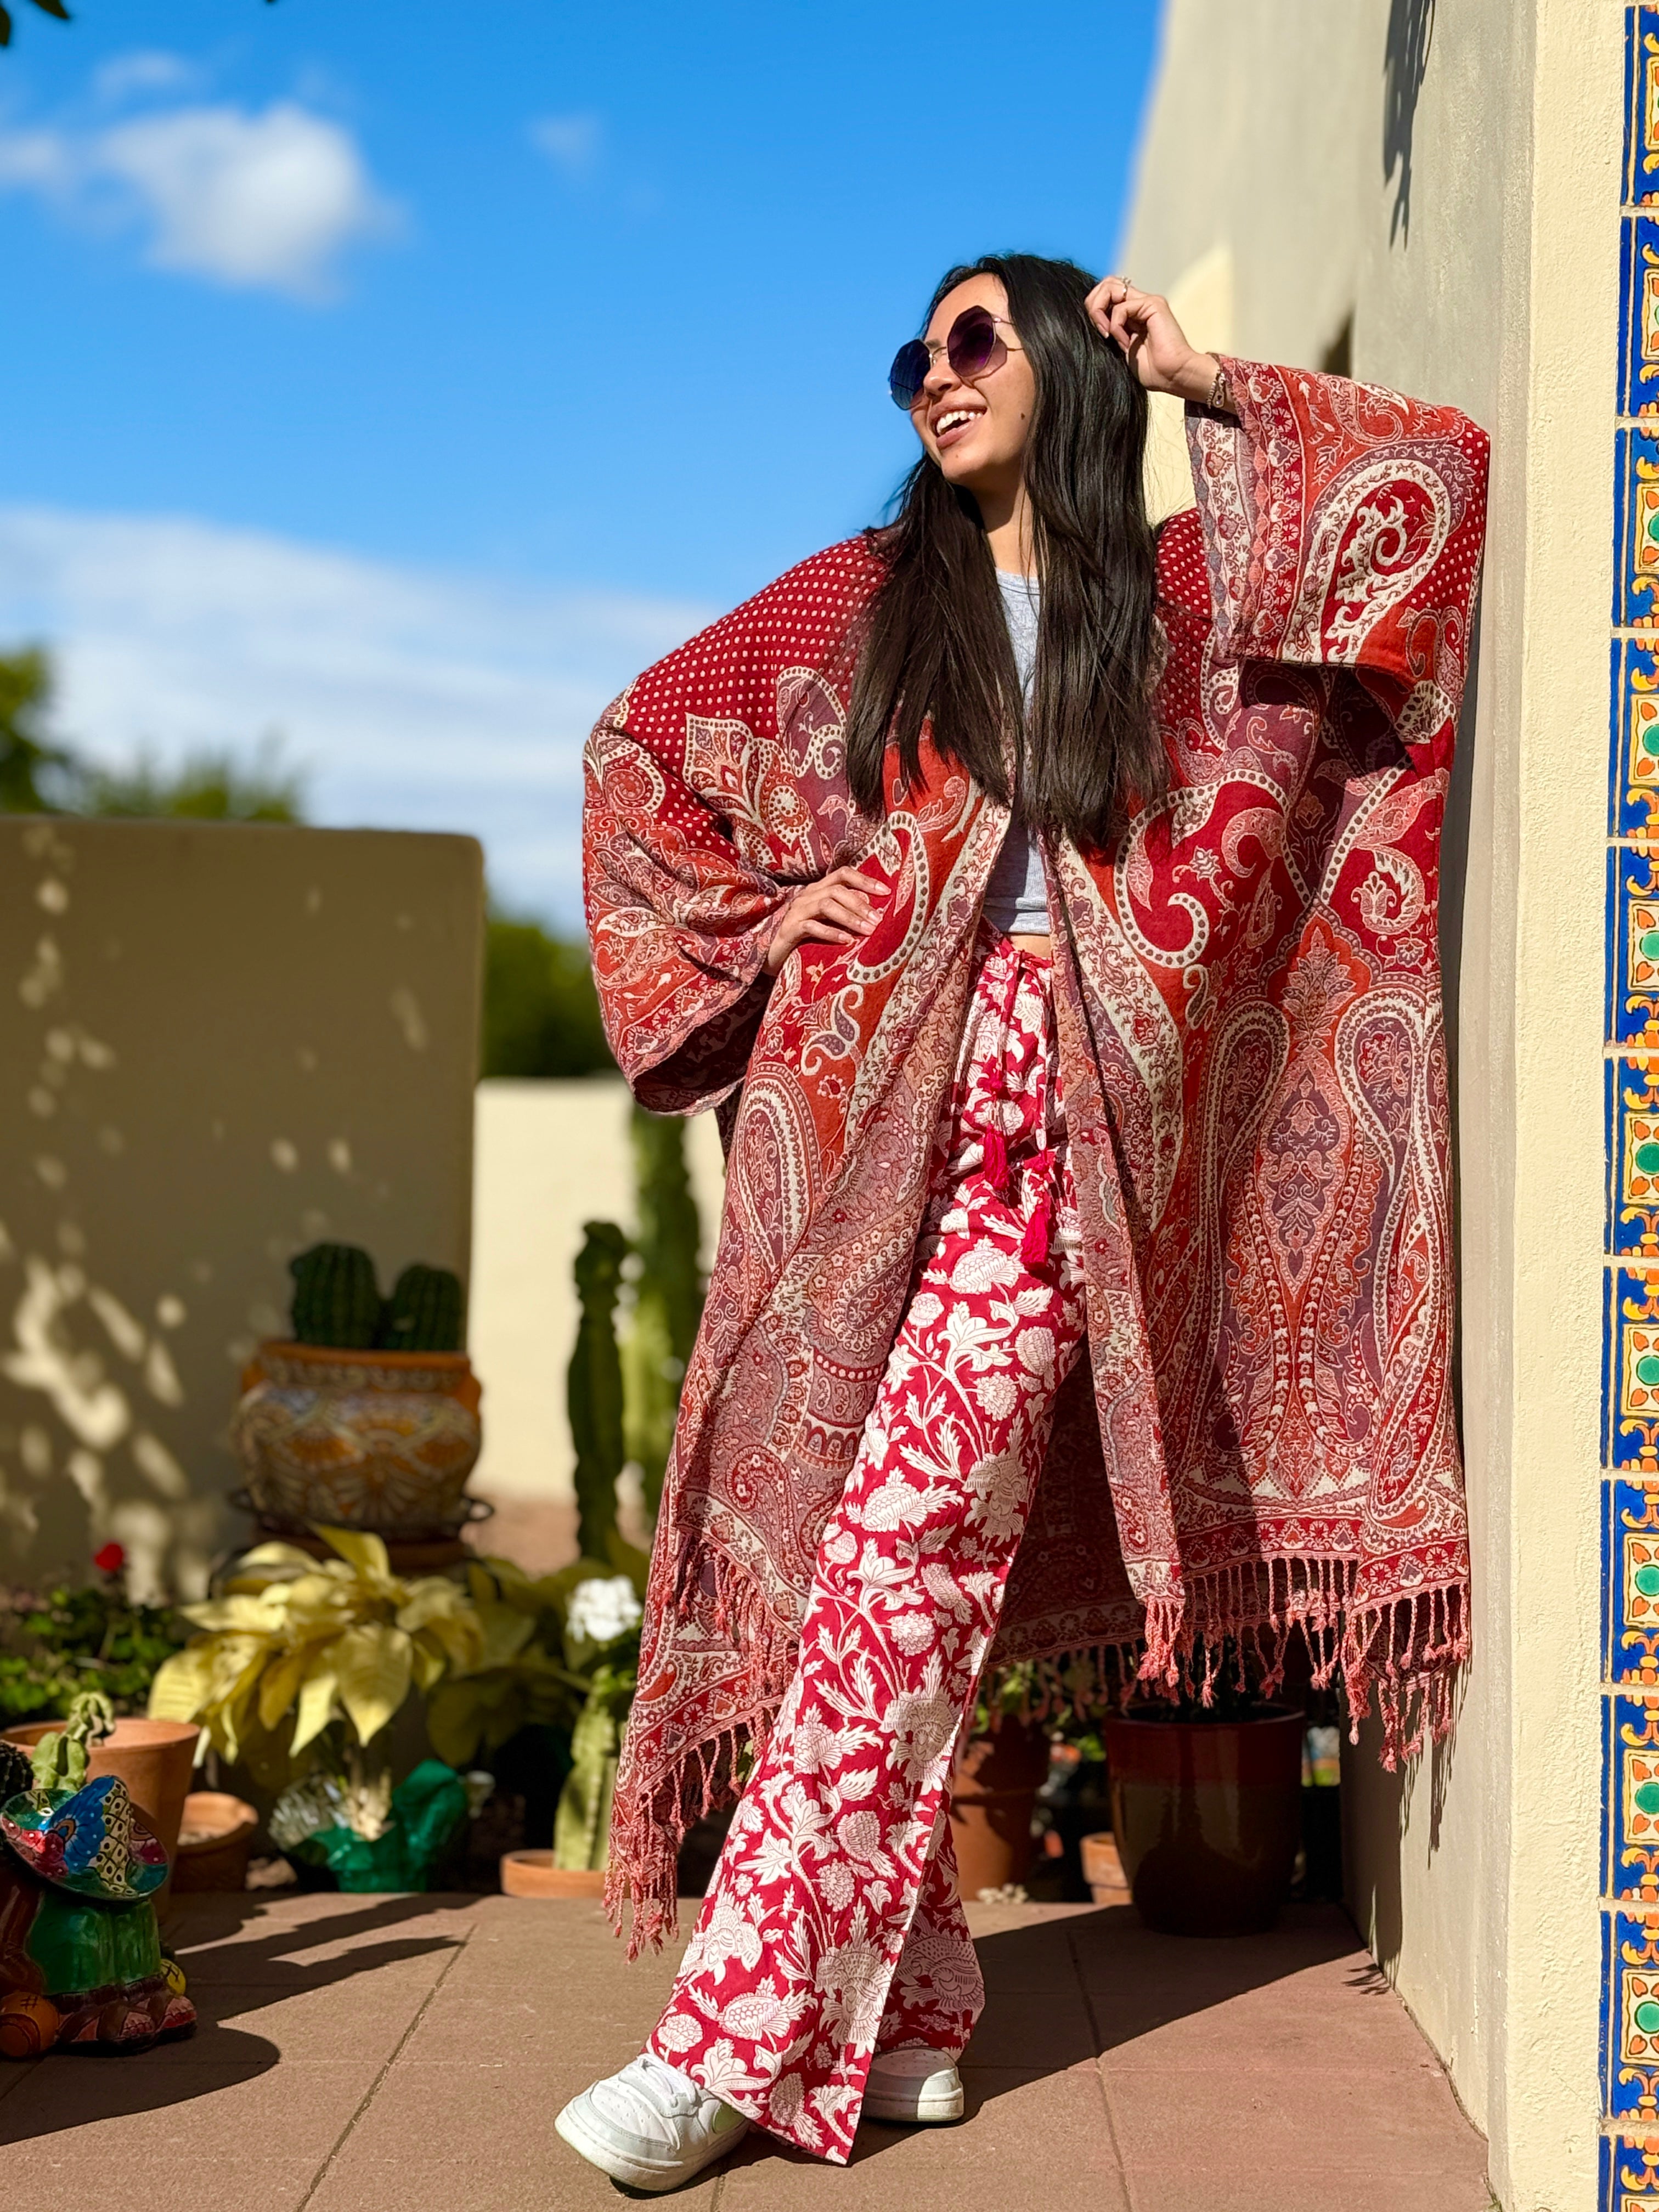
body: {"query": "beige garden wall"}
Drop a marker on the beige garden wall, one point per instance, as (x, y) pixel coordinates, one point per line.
(1458, 200)
(550, 1156)
(218, 1043)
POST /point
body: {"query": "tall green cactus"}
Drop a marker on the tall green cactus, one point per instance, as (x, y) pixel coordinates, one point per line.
(595, 1389)
(668, 1297)
(582, 1824)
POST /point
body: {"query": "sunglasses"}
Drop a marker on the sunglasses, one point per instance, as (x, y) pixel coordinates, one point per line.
(971, 346)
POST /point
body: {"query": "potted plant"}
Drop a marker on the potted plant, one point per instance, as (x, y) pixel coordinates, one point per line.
(1000, 1767)
(300, 1666)
(366, 1415)
(215, 1841)
(572, 1672)
(56, 1644)
(1207, 1801)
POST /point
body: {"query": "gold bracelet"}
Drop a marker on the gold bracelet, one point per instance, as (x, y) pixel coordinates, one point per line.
(1220, 401)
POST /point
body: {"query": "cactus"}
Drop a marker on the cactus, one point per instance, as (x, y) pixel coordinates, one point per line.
(60, 1757)
(337, 1300)
(581, 1824)
(668, 1298)
(426, 1312)
(595, 1389)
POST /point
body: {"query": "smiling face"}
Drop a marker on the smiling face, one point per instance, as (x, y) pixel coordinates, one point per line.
(976, 432)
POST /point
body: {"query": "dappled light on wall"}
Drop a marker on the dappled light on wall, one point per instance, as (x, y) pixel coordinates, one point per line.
(222, 1043)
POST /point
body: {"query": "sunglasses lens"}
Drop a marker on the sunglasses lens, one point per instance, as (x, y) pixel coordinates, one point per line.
(908, 374)
(972, 343)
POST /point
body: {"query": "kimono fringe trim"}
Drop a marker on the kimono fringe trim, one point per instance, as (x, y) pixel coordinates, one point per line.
(1408, 1650)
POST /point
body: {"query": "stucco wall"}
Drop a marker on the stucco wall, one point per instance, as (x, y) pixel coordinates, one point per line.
(1458, 201)
(218, 1044)
(550, 1157)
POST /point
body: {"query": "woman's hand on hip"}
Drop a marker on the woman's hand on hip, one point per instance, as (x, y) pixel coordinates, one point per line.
(1155, 344)
(835, 910)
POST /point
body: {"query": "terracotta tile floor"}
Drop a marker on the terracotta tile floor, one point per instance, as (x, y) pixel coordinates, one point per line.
(415, 2051)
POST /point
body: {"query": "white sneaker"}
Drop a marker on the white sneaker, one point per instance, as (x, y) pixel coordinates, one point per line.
(650, 2126)
(911, 2086)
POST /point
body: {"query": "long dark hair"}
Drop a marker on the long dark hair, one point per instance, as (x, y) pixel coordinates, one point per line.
(935, 646)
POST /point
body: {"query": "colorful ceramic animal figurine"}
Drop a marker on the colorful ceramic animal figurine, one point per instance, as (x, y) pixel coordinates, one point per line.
(81, 1965)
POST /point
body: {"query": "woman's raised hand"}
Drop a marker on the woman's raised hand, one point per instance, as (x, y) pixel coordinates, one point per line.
(835, 910)
(1155, 344)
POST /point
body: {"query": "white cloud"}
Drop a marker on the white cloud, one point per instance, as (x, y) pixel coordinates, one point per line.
(571, 143)
(123, 74)
(266, 201)
(417, 700)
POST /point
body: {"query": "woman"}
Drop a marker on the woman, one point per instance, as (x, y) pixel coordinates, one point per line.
(1048, 906)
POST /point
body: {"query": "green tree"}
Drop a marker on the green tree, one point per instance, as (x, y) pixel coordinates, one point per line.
(205, 787)
(541, 1013)
(31, 766)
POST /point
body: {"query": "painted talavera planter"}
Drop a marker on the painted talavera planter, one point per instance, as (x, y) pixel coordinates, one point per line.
(1207, 1818)
(378, 1440)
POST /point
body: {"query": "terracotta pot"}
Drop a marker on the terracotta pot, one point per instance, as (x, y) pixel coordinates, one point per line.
(215, 1841)
(1102, 1869)
(1207, 1819)
(532, 1873)
(154, 1758)
(381, 1440)
(993, 1793)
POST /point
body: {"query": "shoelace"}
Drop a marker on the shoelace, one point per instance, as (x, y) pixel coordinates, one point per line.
(658, 2080)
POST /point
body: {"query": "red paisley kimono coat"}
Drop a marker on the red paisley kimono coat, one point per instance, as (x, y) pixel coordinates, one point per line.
(1247, 997)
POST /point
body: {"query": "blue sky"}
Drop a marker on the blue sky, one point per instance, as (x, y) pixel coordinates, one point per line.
(400, 377)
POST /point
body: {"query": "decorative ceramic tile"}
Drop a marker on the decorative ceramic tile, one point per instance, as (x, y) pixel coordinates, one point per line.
(1636, 740)
(1641, 169)
(1636, 544)
(1635, 1011)
(1634, 2018)
(1631, 1562)
(1636, 1401)
(1638, 316)
(1634, 1155)
(1633, 1827)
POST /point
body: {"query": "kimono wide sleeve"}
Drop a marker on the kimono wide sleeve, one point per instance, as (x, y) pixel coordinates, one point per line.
(1342, 527)
(711, 787)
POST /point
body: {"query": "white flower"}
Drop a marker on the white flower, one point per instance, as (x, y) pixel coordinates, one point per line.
(925, 1308)
(999, 1485)
(678, 2034)
(604, 1608)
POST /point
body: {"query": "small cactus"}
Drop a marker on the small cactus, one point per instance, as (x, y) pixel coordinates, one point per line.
(426, 1312)
(668, 1298)
(337, 1300)
(596, 1389)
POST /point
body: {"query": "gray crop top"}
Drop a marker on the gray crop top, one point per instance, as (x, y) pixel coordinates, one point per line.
(1016, 896)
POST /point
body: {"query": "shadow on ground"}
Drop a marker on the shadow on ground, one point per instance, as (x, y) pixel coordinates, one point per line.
(1066, 1992)
(226, 1978)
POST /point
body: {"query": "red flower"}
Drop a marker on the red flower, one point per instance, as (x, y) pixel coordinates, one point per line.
(110, 1560)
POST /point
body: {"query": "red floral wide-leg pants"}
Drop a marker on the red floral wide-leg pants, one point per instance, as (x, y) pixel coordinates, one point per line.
(832, 1929)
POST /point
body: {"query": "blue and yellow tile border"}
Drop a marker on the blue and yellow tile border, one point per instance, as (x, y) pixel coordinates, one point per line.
(1630, 1373)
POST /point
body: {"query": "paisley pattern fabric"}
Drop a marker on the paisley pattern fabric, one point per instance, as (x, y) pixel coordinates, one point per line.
(832, 1929)
(1247, 1005)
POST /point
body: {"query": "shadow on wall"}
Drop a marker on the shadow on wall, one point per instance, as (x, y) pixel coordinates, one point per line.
(220, 1044)
(1405, 62)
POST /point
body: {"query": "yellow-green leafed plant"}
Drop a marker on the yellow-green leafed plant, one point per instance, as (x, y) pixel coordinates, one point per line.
(528, 1674)
(295, 1645)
